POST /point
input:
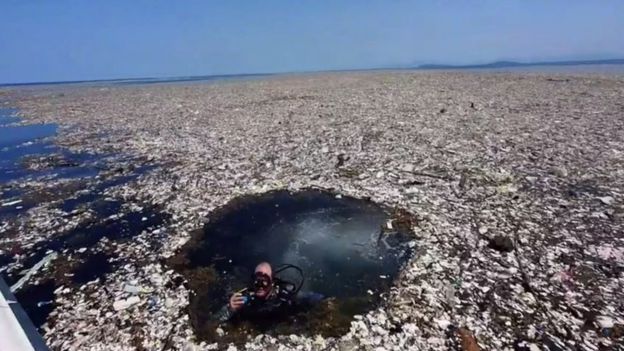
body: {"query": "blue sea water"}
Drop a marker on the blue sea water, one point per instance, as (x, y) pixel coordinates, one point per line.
(18, 142)
(21, 144)
(144, 81)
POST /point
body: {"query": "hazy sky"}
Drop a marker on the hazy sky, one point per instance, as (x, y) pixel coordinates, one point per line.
(79, 40)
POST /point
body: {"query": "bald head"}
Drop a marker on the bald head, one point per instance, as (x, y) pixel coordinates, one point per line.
(264, 267)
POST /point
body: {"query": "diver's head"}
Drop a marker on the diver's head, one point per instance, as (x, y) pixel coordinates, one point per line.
(263, 280)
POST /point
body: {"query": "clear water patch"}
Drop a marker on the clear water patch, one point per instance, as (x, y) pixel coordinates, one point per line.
(349, 250)
(66, 187)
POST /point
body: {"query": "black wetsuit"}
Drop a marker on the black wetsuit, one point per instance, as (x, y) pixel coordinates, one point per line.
(277, 303)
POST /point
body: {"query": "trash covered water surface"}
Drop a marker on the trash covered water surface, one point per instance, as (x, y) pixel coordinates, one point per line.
(57, 219)
(518, 200)
(347, 248)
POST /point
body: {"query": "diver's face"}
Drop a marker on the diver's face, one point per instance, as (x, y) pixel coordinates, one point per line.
(263, 285)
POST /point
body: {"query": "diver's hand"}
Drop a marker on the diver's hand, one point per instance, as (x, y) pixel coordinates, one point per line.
(236, 302)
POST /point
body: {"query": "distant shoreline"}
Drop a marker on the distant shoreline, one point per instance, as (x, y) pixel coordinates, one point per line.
(156, 80)
(514, 64)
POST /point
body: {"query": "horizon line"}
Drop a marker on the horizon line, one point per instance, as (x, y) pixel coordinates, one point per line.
(427, 66)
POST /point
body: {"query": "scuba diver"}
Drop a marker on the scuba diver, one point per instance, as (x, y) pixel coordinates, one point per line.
(267, 294)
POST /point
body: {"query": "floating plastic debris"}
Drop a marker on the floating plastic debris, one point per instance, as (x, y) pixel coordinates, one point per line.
(32, 271)
(123, 304)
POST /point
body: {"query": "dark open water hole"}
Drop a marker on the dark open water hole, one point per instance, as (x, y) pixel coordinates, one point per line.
(342, 244)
